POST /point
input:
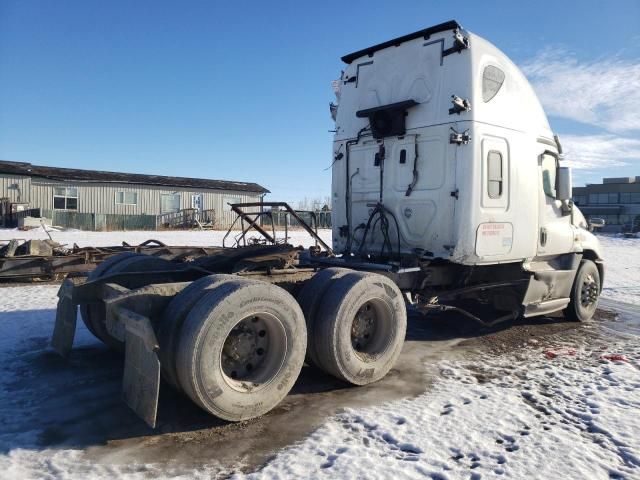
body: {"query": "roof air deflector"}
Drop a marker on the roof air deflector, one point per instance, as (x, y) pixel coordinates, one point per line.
(426, 33)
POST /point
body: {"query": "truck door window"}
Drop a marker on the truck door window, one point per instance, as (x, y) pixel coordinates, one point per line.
(494, 177)
(549, 164)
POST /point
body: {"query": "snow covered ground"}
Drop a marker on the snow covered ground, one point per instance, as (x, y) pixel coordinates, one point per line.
(170, 237)
(622, 268)
(563, 407)
(574, 416)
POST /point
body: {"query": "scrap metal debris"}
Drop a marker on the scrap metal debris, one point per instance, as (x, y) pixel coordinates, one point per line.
(22, 259)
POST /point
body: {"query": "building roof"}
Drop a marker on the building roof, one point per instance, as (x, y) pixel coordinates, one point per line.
(97, 176)
(623, 180)
(611, 185)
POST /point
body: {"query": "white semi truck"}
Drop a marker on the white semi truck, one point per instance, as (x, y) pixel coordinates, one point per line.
(448, 194)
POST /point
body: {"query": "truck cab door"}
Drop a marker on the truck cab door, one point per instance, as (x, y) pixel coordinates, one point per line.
(555, 235)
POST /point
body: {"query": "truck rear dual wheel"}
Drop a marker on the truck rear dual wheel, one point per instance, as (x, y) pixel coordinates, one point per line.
(360, 327)
(310, 300)
(584, 293)
(241, 348)
(94, 315)
(173, 317)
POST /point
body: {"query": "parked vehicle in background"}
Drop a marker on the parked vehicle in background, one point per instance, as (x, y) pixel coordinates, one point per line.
(596, 223)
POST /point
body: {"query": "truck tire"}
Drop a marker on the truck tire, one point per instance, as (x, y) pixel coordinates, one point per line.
(360, 328)
(310, 299)
(170, 325)
(584, 293)
(94, 314)
(241, 349)
(101, 269)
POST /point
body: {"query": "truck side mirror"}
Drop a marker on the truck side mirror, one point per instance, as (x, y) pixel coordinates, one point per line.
(565, 190)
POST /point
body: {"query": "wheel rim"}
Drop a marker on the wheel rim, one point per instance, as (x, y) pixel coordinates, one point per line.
(589, 292)
(371, 329)
(253, 352)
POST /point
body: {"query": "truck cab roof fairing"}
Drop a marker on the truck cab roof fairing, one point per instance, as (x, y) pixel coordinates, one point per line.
(426, 33)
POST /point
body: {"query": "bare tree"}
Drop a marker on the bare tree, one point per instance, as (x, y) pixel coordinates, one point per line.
(303, 204)
(313, 204)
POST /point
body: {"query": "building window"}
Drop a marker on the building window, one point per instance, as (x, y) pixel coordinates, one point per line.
(494, 174)
(606, 198)
(169, 203)
(65, 198)
(126, 198)
(549, 164)
(580, 199)
(629, 197)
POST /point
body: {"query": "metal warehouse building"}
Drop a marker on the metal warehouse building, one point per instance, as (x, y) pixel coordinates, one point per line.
(98, 200)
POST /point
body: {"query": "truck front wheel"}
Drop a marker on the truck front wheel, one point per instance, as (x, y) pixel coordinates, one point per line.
(584, 293)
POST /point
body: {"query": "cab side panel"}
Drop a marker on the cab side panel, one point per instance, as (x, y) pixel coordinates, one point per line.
(497, 178)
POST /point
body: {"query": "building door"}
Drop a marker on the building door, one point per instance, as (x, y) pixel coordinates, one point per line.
(196, 203)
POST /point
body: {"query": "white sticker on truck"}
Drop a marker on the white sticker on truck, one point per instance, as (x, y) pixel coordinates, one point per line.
(494, 239)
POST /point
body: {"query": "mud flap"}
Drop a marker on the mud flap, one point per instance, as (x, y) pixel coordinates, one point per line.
(66, 319)
(141, 382)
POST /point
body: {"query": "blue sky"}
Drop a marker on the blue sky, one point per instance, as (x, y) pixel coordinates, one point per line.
(240, 90)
